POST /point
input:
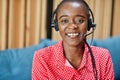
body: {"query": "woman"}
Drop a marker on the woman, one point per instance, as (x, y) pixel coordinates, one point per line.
(72, 58)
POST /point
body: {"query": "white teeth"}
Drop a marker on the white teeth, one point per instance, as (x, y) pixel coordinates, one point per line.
(73, 34)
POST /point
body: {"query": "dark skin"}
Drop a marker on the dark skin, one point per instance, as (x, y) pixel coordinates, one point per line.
(73, 20)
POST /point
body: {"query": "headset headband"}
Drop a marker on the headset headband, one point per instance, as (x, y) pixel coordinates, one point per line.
(54, 22)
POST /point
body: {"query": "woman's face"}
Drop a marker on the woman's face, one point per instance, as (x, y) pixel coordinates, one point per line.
(72, 21)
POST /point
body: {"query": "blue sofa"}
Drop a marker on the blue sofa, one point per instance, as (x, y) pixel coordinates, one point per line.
(16, 64)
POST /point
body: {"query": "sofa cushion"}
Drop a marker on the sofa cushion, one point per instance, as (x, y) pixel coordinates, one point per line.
(16, 64)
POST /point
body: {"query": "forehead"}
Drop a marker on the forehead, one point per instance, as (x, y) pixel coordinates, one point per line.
(72, 8)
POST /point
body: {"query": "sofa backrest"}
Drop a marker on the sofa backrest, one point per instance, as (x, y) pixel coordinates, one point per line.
(16, 64)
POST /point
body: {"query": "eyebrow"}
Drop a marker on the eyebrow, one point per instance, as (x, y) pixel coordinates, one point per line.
(63, 16)
(67, 16)
(81, 16)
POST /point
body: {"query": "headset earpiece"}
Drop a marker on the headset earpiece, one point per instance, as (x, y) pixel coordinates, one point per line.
(56, 25)
(90, 24)
(54, 22)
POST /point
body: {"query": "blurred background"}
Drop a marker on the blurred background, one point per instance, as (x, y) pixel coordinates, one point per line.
(24, 22)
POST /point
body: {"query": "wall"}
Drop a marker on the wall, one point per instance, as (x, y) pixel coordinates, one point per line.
(23, 22)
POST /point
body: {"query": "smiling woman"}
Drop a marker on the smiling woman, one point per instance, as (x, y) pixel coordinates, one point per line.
(72, 20)
(72, 58)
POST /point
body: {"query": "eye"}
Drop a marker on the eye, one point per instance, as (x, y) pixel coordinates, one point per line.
(79, 20)
(64, 21)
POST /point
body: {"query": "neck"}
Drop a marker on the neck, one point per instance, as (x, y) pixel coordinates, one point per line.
(74, 54)
(74, 50)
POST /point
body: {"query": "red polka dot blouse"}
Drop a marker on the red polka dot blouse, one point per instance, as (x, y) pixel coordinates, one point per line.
(50, 64)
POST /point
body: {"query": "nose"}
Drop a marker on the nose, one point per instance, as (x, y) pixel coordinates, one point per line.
(72, 25)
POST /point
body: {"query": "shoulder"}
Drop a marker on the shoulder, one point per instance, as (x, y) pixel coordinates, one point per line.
(48, 52)
(103, 62)
(102, 57)
(102, 54)
(100, 50)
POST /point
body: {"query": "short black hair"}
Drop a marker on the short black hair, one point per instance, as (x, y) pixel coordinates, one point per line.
(83, 2)
(85, 5)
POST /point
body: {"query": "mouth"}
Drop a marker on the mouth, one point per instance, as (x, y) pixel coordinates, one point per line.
(73, 35)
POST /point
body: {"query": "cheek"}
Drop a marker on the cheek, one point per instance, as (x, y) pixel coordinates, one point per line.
(83, 28)
(61, 30)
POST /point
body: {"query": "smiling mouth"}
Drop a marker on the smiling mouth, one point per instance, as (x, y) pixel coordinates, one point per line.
(73, 35)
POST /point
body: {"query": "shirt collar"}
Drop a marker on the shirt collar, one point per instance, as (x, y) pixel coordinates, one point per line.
(61, 60)
(86, 60)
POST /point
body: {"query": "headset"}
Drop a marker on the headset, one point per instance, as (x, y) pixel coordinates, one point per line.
(54, 21)
(91, 24)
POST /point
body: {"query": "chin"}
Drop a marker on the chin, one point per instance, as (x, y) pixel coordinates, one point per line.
(74, 42)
